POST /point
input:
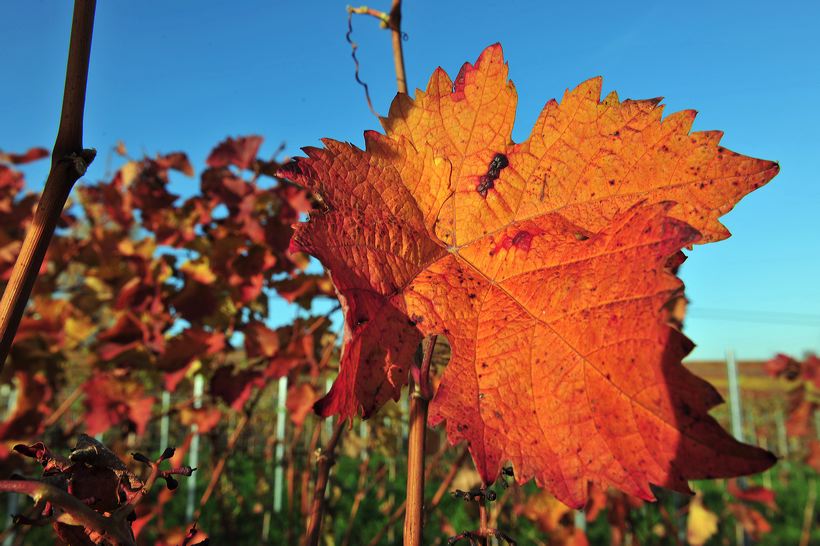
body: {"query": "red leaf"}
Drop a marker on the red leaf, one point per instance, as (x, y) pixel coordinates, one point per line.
(30, 409)
(204, 418)
(196, 301)
(753, 522)
(240, 151)
(800, 422)
(813, 456)
(221, 186)
(111, 400)
(126, 334)
(783, 365)
(300, 402)
(302, 289)
(260, 341)
(811, 370)
(754, 493)
(190, 344)
(233, 388)
(177, 161)
(33, 154)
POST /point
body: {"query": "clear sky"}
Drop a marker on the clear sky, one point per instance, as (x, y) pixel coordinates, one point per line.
(182, 75)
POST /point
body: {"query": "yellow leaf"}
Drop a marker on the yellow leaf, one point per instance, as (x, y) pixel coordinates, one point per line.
(702, 523)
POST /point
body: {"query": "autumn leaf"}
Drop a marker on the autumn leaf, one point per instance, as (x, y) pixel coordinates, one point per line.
(753, 493)
(260, 341)
(32, 154)
(545, 265)
(126, 334)
(30, 410)
(802, 405)
(302, 289)
(177, 161)
(233, 387)
(184, 349)
(754, 523)
(701, 524)
(299, 402)
(813, 456)
(239, 151)
(111, 400)
(783, 366)
(206, 419)
(94, 475)
(278, 353)
(554, 519)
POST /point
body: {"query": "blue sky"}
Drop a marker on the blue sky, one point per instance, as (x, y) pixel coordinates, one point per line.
(182, 75)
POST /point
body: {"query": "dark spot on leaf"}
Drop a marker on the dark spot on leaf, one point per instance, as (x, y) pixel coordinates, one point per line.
(487, 181)
(522, 240)
(485, 184)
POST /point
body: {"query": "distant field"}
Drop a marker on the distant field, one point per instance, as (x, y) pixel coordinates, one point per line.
(753, 379)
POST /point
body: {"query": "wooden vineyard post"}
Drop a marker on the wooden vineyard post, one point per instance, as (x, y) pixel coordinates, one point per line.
(165, 420)
(193, 455)
(279, 470)
(737, 426)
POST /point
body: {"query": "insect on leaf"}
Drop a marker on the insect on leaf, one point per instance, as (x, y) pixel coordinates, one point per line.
(546, 264)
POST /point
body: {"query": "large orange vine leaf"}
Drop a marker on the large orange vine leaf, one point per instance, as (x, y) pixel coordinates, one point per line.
(546, 265)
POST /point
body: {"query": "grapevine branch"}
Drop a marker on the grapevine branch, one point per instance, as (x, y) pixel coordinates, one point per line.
(69, 162)
(484, 533)
(394, 24)
(72, 510)
(437, 496)
(327, 459)
(366, 483)
(414, 511)
(64, 407)
(391, 21)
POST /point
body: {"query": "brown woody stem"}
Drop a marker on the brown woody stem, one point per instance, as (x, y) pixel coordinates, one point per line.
(483, 530)
(364, 10)
(367, 482)
(75, 511)
(304, 496)
(398, 513)
(448, 480)
(64, 407)
(68, 163)
(394, 23)
(327, 458)
(414, 507)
